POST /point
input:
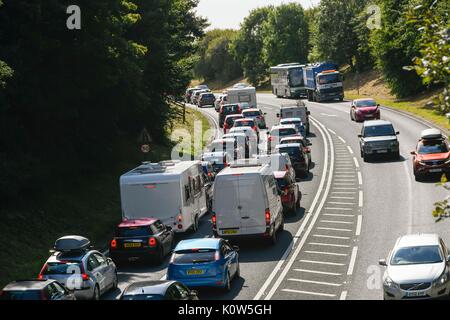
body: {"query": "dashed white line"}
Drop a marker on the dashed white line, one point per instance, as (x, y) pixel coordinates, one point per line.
(343, 295)
(338, 222)
(339, 215)
(333, 132)
(352, 261)
(359, 225)
(360, 178)
(329, 245)
(356, 162)
(334, 229)
(361, 199)
(328, 253)
(350, 150)
(330, 237)
(342, 139)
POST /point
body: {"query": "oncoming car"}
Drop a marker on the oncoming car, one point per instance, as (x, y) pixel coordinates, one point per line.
(432, 155)
(364, 109)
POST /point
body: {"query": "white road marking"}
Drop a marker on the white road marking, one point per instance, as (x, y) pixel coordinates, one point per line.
(340, 138)
(356, 162)
(352, 261)
(361, 199)
(331, 284)
(329, 245)
(310, 293)
(360, 178)
(323, 262)
(338, 222)
(343, 198)
(343, 184)
(319, 272)
(343, 203)
(344, 180)
(331, 208)
(339, 215)
(328, 253)
(350, 149)
(343, 295)
(344, 192)
(359, 225)
(333, 132)
(345, 176)
(346, 188)
(330, 237)
(334, 229)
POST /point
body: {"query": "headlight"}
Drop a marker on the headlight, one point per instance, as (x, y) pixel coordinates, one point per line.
(441, 280)
(447, 161)
(389, 283)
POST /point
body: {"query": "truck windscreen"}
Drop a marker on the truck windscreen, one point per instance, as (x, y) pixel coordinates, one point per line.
(330, 78)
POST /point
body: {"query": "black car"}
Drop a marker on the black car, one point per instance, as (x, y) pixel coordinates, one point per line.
(142, 238)
(206, 99)
(158, 290)
(36, 290)
(226, 110)
(298, 157)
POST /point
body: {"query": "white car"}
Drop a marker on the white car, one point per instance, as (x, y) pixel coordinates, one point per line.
(279, 132)
(256, 115)
(417, 268)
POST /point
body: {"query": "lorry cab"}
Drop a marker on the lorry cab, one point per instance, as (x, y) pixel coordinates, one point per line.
(247, 202)
(323, 82)
(171, 191)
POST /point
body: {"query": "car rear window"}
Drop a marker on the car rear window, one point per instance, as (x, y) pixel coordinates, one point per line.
(230, 109)
(246, 123)
(21, 295)
(251, 113)
(197, 256)
(230, 120)
(292, 152)
(208, 96)
(134, 231)
(62, 268)
(284, 132)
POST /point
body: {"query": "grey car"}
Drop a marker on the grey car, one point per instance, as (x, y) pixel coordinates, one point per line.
(87, 272)
(378, 137)
(36, 290)
(417, 268)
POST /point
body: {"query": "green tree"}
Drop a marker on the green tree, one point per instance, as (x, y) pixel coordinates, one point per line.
(286, 35)
(248, 46)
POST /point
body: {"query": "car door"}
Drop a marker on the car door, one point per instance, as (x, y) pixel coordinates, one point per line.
(231, 256)
(107, 269)
(94, 267)
(251, 201)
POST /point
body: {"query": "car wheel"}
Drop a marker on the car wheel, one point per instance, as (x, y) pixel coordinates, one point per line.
(227, 287)
(281, 228)
(237, 275)
(115, 282)
(160, 256)
(96, 295)
(195, 225)
(365, 157)
(273, 238)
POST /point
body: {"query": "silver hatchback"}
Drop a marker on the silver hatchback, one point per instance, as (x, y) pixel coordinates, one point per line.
(417, 268)
(87, 272)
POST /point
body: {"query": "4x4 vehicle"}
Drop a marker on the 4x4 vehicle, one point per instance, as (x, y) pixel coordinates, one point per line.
(36, 290)
(303, 141)
(206, 99)
(298, 157)
(226, 110)
(290, 194)
(80, 268)
(432, 154)
(256, 115)
(145, 238)
(378, 137)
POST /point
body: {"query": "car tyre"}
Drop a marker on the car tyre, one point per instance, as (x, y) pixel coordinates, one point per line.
(195, 225)
(96, 295)
(273, 238)
(160, 256)
(365, 157)
(227, 287)
(237, 275)
(115, 284)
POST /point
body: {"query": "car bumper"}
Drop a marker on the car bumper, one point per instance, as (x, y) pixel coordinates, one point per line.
(84, 294)
(382, 150)
(128, 254)
(216, 281)
(430, 293)
(367, 116)
(427, 169)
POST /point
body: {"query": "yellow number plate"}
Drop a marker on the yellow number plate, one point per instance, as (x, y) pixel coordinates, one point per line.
(132, 245)
(195, 272)
(229, 231)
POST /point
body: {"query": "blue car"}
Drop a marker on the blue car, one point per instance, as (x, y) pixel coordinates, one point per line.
(207, 262)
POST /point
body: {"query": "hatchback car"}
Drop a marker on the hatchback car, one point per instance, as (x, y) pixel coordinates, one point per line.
(36, 290)
(257, 115)
(277, 162)
(196, 95)
(206, 99)
(378, 137)
(247, 122)
(306, 144)
(297, 122)
(290, 194)
(279, 132)
(417, 268)
(230, 146)
(432, 155)
(298, 157)
(158, 290)
(206, 262)
(80, 268)
(229, 121)
(364, 109)
(243, 142)
(226, 110)
(145, 238)
(218, 160)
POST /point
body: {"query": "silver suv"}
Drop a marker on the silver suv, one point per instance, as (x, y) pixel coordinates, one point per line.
(378, 137)
(87, 272)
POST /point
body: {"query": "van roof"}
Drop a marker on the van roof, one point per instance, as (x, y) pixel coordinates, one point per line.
(250, 169)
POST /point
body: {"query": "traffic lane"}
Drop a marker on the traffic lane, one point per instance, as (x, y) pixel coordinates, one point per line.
(258, 259)
(394, 203)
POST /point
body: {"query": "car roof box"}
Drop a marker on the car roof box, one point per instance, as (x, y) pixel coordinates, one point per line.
(431, 134)
(72, 243)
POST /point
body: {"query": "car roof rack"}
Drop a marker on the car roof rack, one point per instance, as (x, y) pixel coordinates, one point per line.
(431, 134)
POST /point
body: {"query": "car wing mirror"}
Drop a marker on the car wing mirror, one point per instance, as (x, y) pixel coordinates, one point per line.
(360, 136)
(413, 153)
(236, 248)
(278, 115)
(397, 133)
(382, 262)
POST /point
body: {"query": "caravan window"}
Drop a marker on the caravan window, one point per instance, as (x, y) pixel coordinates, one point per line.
(245, 98)
(187, 193)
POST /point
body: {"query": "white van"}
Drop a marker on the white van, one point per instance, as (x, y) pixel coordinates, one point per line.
(246, 202)
(296, 111)
(242, 95)
(172, 191)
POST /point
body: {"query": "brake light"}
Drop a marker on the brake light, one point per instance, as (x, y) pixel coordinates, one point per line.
(217, 256)
(152, 242)
(307, 150)
(270, 138)
(267, 217)
(40, 276)
(287, 168)
(113, 244)
(209, 174)
(214, 220)
(85, 277)
(180, 218)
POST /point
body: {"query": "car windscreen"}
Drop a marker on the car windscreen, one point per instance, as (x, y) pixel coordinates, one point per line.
(21, 295)
(282, 183)
(230, 109)
(432, 147)
(292, 152)
(62, 268)
(207, 96)
(366, 103)
(133, 232)
(142, 297)
(197, 256)
(296, 77)
(284, 132)
(417, 255)
(246, 123)
(378, 131)
(251, 113)
(230, 120)
(330, 78)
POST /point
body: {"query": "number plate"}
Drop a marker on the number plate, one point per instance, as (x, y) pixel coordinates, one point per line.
(229, 231)
(436, 170)
(195, 272)
(132, 245)
(415, 294)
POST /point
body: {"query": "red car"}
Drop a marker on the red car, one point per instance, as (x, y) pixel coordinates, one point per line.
(364, 109)
(432, 155)
(291, 195)
(229, 121)
(145, 238)
(247, 122)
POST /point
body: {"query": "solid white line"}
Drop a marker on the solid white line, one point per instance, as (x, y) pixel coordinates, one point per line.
(310, 293)
(328, 253)
(325, 173)
(329, 245)
(316, 282)
(288, 266)
(323, 262)
(339, 222)
(359, 225)
(331, 237)
(352, 261)
(319, 272)
(350, 150)
(361, 199)
(340, 138)
(343, 295)
(360, 178)
(356, 162)
(334, 229)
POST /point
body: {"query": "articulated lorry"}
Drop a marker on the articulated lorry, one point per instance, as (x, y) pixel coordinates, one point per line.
(323, 82)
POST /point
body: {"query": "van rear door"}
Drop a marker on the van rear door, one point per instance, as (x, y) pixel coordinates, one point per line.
(252, 201)
(226, 203)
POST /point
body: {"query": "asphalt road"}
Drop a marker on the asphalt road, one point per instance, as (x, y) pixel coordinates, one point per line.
(351, 214)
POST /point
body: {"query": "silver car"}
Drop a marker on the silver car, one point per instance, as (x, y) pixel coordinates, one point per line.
(417, 268)
(87, 272)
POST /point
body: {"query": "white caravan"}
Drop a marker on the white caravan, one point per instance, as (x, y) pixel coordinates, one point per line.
(246, 202)
(242, 95)
(172, 191)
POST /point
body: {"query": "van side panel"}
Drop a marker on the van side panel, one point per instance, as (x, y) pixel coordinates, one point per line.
(253, 203)
(226, 202)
